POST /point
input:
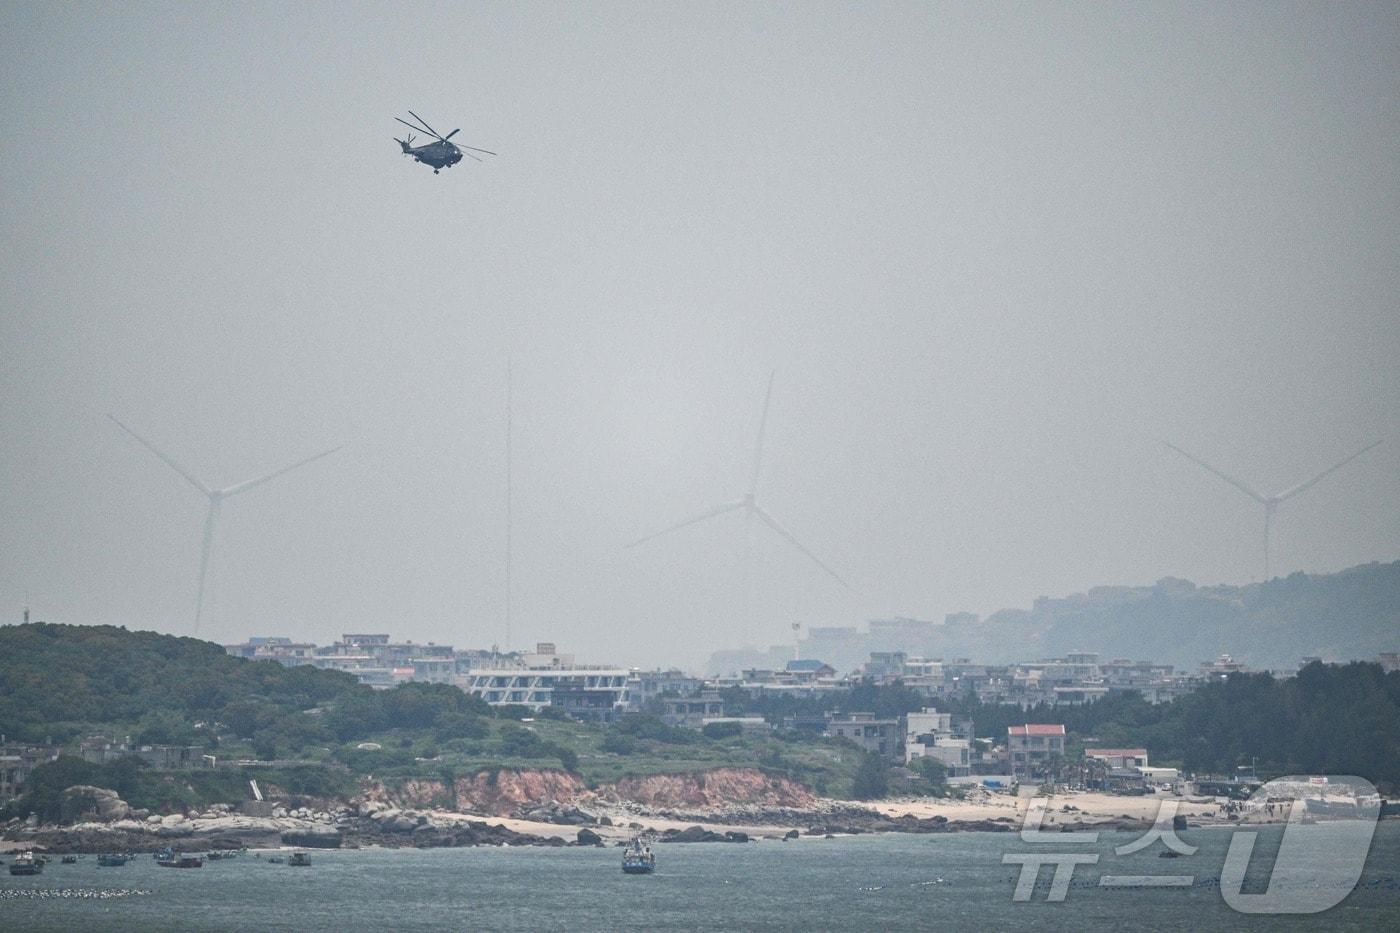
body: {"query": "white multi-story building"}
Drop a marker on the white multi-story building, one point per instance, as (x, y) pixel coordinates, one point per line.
(536, 688)
(931, 734)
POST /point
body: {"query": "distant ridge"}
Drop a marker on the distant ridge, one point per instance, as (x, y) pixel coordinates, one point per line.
(1353, 614)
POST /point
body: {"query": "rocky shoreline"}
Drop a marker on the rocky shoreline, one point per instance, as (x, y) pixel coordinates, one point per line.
(522, 808)
(372, 824)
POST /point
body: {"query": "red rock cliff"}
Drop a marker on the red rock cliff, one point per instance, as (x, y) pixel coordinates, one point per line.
(507, 791)
(720, 787)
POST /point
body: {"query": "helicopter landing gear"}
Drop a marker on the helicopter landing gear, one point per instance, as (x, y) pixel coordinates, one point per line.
(435, 171)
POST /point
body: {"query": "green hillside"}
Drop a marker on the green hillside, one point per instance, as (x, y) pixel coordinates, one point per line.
(65, 683)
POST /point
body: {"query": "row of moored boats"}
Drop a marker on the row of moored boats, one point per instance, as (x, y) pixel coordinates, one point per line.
(28, 863)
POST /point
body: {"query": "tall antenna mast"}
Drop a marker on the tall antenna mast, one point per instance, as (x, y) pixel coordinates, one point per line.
(510, 492)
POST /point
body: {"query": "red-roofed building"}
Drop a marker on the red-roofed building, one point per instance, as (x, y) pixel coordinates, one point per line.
(1032, 747)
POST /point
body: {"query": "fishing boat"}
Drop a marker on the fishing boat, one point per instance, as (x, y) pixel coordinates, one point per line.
(111, 860)
(299, 858)
(172, 859)
(26, 864)
(637, 858)
(181, 861)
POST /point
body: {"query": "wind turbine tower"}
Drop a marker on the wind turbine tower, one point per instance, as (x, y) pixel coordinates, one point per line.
(751, 509)
(1270, 503)
(510, 496)
(216, 500)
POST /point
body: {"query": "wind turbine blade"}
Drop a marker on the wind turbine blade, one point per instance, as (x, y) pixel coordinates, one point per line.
(758, 444)
(769, 521)
(717, 510)
(1238, 484)
(1324, 474)
(209, 521)
(168, 462)
(249, 484)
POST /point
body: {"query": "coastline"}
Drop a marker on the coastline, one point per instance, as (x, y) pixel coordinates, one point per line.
(373, 824)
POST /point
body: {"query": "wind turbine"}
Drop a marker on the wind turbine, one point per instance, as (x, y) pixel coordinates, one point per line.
(216, 500)
(749, 505)
(1270, 503)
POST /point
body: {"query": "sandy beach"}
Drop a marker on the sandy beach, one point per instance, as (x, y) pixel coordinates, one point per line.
(1089, 806)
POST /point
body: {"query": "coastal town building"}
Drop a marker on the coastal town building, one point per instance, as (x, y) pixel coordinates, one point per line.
(17, 762)
(929, 733)
(587, 704)
(1034, 748)
(1221, 668)
(1119, 757)
(800, 678)
(883, 737)
(748, 725)
(693, 711)
(535, 688)
(643, 687)
(102, 749)
(809, 670)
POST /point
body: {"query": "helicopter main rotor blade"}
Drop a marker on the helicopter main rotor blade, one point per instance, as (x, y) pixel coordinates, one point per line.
(417, 129)
(451, 134)
(474, 149)
(425, 123)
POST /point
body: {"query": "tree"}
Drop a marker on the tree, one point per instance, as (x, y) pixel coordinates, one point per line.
(453, 725)
(872, 778)
(933, 771)
(722, 730)
(356, 714)
(47, 782)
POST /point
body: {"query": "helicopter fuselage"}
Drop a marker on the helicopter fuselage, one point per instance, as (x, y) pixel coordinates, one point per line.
(438, 154)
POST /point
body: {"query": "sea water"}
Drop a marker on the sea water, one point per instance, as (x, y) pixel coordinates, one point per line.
(889, 882)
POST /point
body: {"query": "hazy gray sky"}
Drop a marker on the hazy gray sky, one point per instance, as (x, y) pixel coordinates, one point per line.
(996, 255)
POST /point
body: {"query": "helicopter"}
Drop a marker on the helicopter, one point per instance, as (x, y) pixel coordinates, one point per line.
(441, 154)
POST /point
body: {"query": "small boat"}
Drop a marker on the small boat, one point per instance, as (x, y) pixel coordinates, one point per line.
(111, 860)
(637, 858)
(171, 859)
(299, 858)
(26, 864)
(275, 860)
(183, 861)
(69, 860)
